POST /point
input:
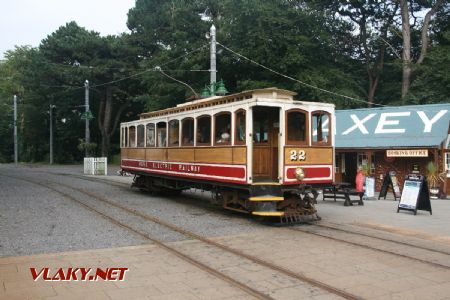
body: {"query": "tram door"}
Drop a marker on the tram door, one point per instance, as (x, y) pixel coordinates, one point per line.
(266, 126)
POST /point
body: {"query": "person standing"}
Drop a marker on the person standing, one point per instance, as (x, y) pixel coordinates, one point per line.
(360, 179)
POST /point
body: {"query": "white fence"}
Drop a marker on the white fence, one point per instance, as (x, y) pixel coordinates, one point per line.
(96, 165)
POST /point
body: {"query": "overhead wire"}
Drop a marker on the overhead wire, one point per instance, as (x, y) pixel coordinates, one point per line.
(150, 69)
(154, 69)
(179, 81)
(296, 80)
(157, 68)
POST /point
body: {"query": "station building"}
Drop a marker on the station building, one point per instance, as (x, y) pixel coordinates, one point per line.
(403, 139)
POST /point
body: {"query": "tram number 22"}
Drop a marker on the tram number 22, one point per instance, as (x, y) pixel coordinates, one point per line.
(298, 155)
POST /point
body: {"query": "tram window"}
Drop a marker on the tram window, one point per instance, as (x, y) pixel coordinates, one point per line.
(187, 135)
(150, 135)
(125, 137)
(320, 128)
(240, 127)
(174, 133)
(141, 136)
(297, 125)
(204, 130)
(260, 127)
(161, 134)
(132, 136)
(122, 136)
(222, 129)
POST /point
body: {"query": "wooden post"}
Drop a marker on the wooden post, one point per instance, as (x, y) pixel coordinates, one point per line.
(444, 191)
(436, 163)
(369, 161)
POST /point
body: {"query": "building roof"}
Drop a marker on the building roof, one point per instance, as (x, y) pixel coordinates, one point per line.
(393, 127)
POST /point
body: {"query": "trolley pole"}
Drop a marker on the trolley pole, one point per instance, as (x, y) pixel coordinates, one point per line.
(212, 68)
(87, 135)
(15, 131)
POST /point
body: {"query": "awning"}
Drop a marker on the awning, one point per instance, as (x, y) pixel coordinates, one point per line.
(393, 127)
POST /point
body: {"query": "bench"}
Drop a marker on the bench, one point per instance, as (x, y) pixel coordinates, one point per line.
(339, 191)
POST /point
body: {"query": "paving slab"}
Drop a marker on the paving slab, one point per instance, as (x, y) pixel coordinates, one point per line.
(156, 275)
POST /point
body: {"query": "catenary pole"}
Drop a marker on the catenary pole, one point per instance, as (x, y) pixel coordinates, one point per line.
(86, 104)
(51, 133)
(15, 132)
(213, 70)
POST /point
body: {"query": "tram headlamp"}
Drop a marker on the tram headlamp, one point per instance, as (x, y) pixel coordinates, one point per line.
(300, 173)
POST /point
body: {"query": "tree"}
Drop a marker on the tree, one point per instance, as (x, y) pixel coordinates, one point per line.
(283, 35)
(169, 34)
(20, 69)
(78, 54)
(432, 79)
(407, 8)
(370, 23)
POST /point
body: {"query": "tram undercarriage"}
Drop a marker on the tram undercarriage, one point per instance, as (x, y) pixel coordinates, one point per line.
(270, 202)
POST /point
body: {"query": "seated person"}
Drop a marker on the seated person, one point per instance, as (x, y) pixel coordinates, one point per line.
(187, 141)
(203, 138)
(225, 137)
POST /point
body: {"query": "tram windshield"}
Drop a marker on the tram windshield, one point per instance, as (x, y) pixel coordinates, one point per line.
(296, 127)
(320, 128)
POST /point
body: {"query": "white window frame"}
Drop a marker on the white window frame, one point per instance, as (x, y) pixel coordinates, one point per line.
(362, 155)
(447, 163)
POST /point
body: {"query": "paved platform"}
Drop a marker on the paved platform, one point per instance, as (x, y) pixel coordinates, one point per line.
(155, 273)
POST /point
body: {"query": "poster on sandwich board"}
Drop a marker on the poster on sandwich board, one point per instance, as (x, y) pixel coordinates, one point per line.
(415, 195)
(369, 191)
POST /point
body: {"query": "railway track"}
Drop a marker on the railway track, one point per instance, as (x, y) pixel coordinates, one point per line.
(246, 288)
(378, 248)
(187, 197)
(383, 239)
(328, 236)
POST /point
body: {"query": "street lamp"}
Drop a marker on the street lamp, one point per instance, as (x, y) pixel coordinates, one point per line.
(214, 89)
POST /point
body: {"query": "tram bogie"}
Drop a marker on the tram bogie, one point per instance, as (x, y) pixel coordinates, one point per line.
(259, 152)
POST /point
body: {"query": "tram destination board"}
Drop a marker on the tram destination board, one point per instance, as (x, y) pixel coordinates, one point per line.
(415, 195)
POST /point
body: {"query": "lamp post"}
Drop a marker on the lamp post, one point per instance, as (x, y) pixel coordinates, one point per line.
(87, 134)
(51, 132)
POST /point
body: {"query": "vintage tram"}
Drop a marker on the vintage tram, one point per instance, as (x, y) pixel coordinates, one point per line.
(259, 151)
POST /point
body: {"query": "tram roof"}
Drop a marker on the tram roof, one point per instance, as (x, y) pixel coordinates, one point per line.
(271, 93)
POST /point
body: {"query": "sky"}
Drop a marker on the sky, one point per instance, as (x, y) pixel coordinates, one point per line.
(27, 22)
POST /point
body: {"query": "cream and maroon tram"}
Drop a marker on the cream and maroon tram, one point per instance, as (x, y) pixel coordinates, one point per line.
(259, 151)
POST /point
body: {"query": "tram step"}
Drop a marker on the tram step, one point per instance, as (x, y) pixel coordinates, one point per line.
(266, 198)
